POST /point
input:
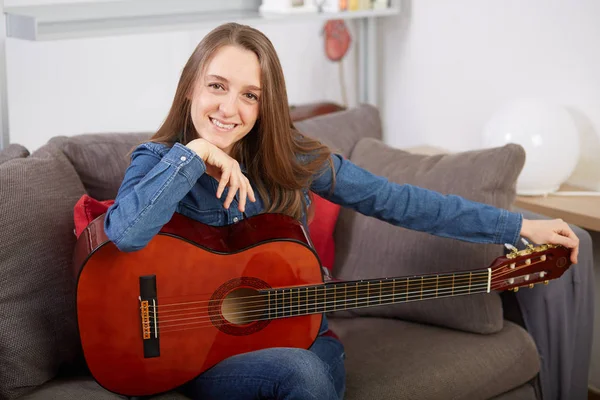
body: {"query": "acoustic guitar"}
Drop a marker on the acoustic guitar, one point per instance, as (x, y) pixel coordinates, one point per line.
(153, 319)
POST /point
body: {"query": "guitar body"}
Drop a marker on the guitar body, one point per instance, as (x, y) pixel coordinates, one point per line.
(195, 277)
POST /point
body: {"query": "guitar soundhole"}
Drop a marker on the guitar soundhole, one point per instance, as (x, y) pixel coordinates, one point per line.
(243, 306)
(237, 308)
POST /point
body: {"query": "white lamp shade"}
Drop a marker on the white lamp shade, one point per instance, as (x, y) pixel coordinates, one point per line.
(549, 136)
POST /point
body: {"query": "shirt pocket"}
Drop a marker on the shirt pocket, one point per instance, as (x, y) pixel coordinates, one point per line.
(210, 216)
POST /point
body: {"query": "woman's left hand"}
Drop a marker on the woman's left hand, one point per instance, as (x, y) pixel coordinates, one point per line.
(553, 231)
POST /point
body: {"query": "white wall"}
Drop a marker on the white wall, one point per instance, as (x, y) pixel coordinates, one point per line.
(451, 64)
(127, 83)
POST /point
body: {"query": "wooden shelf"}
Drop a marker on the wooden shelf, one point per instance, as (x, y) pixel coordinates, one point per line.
(66, 21)
(583, 211)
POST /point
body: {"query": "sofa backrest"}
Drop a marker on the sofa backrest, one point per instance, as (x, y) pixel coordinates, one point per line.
(101, 159)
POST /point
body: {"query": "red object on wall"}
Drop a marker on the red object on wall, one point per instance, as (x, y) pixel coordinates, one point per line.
(337, 39)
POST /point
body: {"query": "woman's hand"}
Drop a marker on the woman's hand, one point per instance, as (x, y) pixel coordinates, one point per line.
(554, 231)
(224, 169)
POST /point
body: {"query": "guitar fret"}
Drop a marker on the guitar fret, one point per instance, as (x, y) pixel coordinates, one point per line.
(470, 273)
(329, 297)
(307, 302)
(334, 297)
(346, 296)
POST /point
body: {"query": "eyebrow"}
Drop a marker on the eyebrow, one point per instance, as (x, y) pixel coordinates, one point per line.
(222, 79)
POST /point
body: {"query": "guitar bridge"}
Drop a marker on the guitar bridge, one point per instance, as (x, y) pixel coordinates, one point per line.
(149, 316)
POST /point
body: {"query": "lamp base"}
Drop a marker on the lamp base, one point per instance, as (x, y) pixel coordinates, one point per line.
(537, 192)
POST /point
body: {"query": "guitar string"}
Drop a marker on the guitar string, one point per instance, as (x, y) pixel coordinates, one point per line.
(415, 280)
(222, 321)
(384, 285)
(262, 314)
(369, 300)
(281, 308)
(329, 285)
(320, 293)
(307, 298)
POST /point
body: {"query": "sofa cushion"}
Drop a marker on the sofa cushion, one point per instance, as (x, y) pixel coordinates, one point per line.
(393, 359)
(343, 129)
(13, 150)
(100, 159)
(369, 248)
(38, 330)
(86, 388)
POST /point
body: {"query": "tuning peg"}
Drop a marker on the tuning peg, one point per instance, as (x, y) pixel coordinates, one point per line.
(511, 247)
(526, 243)
(516, 289)
(531, 285)
(546, 282)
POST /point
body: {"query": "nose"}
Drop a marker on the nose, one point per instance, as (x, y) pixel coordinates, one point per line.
(229, 105)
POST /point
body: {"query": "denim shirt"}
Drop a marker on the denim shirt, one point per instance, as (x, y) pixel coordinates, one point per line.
(162, 180)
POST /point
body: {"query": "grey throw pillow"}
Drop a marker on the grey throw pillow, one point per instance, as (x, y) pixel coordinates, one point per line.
(367, 248)
(13, 151)
(38, 328)
(100, 159)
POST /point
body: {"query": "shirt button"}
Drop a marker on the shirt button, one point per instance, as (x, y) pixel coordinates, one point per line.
(183, 158)
(235, 219)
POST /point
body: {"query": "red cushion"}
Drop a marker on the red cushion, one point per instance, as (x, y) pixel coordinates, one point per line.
(321, 227)
(86, 210)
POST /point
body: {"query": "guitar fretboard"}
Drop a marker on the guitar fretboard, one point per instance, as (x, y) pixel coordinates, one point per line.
(336, 296)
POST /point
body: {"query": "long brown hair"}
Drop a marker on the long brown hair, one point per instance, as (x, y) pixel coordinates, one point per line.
(280, 161)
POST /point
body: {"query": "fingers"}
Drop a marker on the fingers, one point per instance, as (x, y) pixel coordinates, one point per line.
(225, 175)
(234, 184)
(236, 181)
(229, 174)
(573, 241)
(564, 235)
(243, 194)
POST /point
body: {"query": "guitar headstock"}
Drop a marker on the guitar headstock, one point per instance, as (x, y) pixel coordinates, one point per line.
(527, 267)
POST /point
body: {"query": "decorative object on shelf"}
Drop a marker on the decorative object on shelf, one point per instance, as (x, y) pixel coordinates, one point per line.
(332, 5)
(549, 136)
(287, 6)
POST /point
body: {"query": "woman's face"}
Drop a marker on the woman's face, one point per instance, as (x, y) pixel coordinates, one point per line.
(225, 100)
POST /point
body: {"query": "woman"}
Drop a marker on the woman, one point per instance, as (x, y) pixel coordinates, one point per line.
(228, 150)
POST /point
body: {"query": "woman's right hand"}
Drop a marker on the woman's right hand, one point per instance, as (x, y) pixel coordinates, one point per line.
(224, 169)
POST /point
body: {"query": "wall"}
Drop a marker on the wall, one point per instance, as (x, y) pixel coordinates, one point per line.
(127, 83)
(450, 64)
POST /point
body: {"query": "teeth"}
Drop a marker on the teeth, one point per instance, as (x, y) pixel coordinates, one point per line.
(220, 125)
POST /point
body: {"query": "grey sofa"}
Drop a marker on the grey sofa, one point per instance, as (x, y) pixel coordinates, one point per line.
(466, 347)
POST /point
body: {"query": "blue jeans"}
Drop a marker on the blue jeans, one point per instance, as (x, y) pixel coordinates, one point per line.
(276, 373)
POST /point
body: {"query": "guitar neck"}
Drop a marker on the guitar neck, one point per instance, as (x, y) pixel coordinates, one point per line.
(337, 296)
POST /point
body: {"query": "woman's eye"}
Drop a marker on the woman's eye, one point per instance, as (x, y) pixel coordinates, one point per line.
(215, 85)
(252, 96)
